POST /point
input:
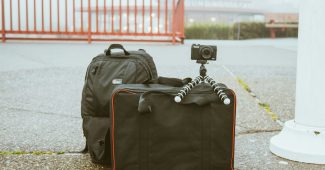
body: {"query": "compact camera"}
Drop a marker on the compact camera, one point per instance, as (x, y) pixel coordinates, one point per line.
(203, 52)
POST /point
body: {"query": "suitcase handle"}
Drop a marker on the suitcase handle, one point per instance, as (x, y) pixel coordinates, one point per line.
(116, 46)
(145, 104)
(174, 82)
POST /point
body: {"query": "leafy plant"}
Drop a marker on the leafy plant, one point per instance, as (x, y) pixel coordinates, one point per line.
(246, 30)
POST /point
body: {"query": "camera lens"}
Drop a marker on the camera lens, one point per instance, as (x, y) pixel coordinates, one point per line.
(206, 52)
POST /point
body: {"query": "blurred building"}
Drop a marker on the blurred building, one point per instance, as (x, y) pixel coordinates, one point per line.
(200, 11)
(232, 11)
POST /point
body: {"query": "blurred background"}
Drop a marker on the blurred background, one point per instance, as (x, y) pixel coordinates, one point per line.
(240, 19)
(148, 20)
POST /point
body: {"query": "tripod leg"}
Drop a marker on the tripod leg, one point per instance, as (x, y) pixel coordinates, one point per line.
(187, 88)
(220, 89)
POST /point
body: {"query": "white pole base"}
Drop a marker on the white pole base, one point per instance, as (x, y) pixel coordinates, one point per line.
(300, 143)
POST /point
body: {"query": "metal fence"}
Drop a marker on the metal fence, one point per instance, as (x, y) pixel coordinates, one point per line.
(93, 20)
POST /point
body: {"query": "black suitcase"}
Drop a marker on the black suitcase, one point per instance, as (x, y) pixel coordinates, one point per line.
(150, 131)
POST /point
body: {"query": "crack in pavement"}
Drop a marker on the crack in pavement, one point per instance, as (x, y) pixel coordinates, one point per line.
(40, 153)
(258, 131)
(266, 107)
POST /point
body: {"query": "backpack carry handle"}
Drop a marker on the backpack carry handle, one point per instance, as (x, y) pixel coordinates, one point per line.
(116, 46)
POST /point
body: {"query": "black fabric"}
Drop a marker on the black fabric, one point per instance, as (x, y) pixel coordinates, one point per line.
(169, 81)
(185, 136)
(120, 67)
(96, 130)
(175, 82)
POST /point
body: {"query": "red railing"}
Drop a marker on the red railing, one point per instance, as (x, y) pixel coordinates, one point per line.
(93, 20)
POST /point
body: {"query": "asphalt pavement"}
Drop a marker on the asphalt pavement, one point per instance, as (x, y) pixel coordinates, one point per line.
(41, 84)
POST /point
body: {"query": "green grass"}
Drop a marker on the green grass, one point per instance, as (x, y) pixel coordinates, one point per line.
(244, 85)
(267, 108)
(31, 153)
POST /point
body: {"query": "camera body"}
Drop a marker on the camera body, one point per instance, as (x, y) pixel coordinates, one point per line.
(203, 52)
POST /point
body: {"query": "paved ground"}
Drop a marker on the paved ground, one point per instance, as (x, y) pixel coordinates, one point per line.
(41, 83)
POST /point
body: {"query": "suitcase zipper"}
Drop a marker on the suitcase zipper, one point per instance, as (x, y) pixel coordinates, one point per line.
(113, 125)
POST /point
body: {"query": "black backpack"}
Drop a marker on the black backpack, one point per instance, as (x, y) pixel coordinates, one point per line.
(106, 71)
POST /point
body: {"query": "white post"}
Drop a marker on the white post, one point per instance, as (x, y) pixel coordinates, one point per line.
(303, 139)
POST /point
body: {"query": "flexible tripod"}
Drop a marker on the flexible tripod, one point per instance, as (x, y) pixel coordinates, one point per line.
(217, 87)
